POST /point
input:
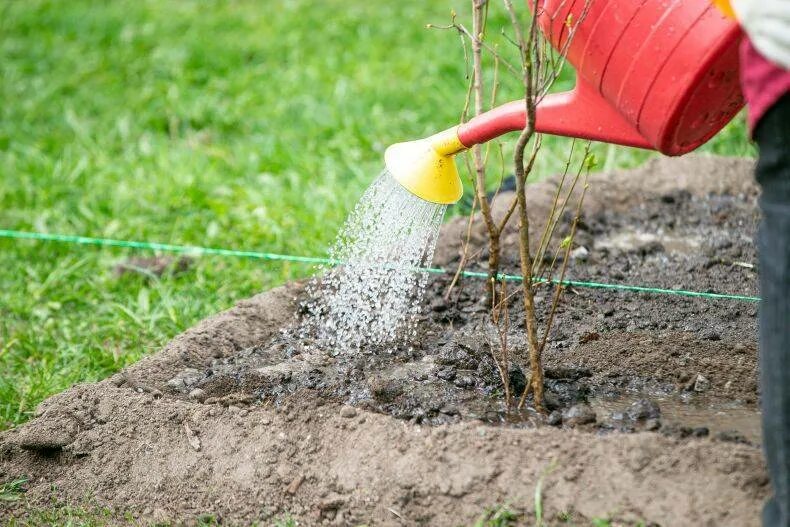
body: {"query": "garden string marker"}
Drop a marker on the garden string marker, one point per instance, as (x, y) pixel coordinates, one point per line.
(197, 251)
(625, 93)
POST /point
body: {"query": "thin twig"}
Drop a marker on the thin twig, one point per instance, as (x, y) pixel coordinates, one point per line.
(576, 179)
(559, 286)
(501, 361)
(465, 251)
(544, 238)
(465, 32)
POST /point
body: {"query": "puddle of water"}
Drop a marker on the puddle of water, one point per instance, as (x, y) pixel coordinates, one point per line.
(717, 416)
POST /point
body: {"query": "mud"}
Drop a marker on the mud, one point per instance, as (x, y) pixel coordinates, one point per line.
(653, 398)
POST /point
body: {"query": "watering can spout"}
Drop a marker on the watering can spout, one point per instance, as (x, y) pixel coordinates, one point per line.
(426, 167)
(581, 112)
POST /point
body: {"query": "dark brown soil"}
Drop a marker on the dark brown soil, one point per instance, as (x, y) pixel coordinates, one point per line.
(239, 419)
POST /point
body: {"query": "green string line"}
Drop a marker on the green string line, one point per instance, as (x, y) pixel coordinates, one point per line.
(196, 250)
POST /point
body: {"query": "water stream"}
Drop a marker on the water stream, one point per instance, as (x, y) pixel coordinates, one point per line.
(373, 296)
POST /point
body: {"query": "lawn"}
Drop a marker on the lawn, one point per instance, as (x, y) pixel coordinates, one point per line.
(235, 124)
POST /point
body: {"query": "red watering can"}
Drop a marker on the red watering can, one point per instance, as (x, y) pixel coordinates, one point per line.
(657, 74)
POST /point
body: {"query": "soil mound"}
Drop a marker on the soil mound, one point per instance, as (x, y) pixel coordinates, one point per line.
(654, 397)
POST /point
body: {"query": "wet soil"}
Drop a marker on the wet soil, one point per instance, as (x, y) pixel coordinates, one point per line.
(652, 398)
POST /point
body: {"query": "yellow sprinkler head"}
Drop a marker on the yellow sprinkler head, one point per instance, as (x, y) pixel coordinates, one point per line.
(426, 167)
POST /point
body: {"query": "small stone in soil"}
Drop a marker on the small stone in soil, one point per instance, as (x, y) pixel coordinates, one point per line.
(567, 373)
(551, 401)
(701, 383)
(731, 436)
(554, 418)
(348, 412)
(643, 409)
(385, 390)
(701, 431)
(449, 409)
(454, 354)
(447, 374)
(185, 378)
(652, 424)
(579, 414)
(198, 395)
(710, 334)
(677, 431)
(438, 306)
(295, 484)
(580, 253)
(464, 381)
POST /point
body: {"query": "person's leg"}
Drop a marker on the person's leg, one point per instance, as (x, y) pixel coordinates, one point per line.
(773, 173)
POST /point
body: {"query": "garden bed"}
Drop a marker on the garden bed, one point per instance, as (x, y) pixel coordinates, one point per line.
(653, 397)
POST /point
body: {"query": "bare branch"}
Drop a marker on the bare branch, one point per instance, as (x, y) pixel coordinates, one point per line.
(559, 287)
(548, 229)
(464, 32)
(465, 251)
(539, 265)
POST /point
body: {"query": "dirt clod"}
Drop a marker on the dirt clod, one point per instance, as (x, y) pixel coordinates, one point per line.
(643, 409)
(651, 425)
(198, 395)
(348, 412)
(579, 414)
(293, 487)
(46, 436)
(554, 418)
(701, 383)
(192, 438)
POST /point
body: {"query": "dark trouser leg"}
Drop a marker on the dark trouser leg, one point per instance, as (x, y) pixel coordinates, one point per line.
(773, 174)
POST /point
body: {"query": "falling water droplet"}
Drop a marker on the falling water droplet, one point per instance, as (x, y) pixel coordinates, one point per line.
(373, 296)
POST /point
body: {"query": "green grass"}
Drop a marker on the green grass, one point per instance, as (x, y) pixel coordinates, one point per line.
(222, 123)
(500, 516)
(62, 517)
(12, 490)
(68, 516)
